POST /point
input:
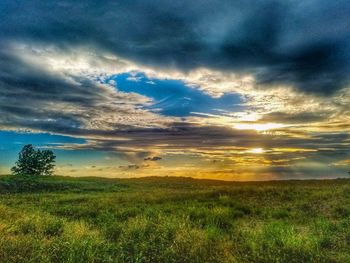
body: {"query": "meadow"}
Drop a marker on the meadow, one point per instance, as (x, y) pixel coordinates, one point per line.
(63, 219)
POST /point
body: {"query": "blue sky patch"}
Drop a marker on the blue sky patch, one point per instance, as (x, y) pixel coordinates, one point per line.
(173, 97)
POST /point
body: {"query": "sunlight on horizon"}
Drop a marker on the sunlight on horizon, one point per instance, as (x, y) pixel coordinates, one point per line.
(259, 126)
(256, 151)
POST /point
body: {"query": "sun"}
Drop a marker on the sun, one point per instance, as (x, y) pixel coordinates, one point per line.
(256, 150)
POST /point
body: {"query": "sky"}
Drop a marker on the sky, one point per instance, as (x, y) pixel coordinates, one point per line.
(221, 89)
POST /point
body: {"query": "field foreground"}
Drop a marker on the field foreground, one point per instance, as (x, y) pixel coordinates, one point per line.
(62, 219)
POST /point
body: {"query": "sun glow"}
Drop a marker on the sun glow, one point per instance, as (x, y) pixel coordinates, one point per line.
(256, 150)
(259, 126)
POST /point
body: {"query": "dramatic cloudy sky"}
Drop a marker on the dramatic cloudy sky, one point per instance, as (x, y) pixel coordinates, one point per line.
(234, 90)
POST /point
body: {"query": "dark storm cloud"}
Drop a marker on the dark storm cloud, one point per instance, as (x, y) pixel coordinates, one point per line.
(37, 98)
(25, 91)
(23, 85)
(305, 44)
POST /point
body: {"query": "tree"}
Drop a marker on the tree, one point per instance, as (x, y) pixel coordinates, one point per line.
(34, 162)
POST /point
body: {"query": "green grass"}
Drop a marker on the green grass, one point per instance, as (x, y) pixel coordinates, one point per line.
(62, 219)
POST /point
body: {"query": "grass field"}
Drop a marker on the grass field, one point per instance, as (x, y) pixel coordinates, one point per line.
(62, 219)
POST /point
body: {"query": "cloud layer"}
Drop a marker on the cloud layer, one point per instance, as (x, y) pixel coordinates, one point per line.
(280, 42)
(237, 86)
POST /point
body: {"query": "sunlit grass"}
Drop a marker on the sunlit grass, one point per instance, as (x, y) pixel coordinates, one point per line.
(174, 220)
